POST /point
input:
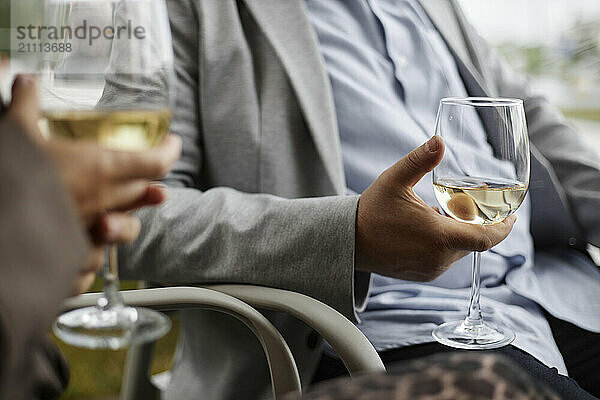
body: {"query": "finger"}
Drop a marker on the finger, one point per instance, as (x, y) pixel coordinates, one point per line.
(150, 164)
(24, 103)
(118, 196)
(155, 195)
(95, 259)
(24, 95)
(498, 232)
(410, 169)
(86, 277)
(118, 228)
(84, 282)
(463, 236)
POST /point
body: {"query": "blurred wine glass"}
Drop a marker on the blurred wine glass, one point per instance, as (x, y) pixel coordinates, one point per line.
(105, 74)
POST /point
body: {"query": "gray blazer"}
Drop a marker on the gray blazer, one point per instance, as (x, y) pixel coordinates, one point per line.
(258, 195)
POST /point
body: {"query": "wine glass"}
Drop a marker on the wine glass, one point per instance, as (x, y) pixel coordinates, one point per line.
(480, 184)
(105, 73)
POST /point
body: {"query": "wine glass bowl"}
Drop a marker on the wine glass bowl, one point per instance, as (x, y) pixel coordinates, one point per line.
(478, 200)
(480, 180)
(105, 74)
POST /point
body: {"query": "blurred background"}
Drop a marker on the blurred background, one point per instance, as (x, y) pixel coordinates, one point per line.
(555, 42)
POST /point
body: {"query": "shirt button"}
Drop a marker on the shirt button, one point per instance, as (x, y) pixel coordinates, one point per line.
(402, 61)
(572, 241)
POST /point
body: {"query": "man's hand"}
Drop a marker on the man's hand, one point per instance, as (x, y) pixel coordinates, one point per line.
(400, 236)
(104, 184)
(98, 179)
(110, 228)
(103, 180)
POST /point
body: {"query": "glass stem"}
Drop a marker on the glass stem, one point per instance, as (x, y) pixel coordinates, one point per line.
(112, 297)
(474, 318)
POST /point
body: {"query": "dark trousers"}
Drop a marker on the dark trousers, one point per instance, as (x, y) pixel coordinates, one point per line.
(580, 350)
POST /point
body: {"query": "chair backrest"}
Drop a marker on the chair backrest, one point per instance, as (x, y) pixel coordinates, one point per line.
(137, 381)
(352, 346)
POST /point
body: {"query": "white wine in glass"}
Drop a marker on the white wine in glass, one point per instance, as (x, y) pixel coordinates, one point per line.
(477, 200)
(134, 130)
(105, 75)
(483, 190)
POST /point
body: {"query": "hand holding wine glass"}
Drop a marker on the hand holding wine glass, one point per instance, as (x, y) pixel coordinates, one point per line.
(400, 236)
(107, 223)
(125, 180)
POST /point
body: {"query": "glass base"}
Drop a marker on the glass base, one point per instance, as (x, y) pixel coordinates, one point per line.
(113, 328)
(482, 336)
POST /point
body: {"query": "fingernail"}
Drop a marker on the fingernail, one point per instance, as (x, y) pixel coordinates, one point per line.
(158, 184)
(433, 144)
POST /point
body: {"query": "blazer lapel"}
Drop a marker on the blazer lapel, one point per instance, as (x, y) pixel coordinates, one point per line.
(443, 15)
(288, 30)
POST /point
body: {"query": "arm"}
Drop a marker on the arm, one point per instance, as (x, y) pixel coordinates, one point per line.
(224, 235)
(576, 165)
(42, 245)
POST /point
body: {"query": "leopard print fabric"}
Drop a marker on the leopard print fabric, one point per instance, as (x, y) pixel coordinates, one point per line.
(457, 376)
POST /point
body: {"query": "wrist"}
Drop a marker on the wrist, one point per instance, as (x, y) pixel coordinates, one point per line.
(361, 261)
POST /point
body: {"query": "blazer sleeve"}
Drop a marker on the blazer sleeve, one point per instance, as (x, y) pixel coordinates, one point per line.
(575, 164)
(42, 247)
(225, 235)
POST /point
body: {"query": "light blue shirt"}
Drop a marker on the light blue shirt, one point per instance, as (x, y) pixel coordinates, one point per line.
(389, 67)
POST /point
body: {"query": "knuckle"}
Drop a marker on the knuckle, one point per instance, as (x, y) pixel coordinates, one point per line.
(482, 243)
(413, 161)
(157, 168)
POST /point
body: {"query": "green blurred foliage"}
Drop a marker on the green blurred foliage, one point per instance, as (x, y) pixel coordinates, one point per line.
(577, 52)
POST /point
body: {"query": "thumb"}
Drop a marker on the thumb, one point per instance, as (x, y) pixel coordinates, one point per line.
(24, 103)
(23, 108)
(410, 169)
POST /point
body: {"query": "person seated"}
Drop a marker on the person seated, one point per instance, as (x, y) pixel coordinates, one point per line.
(293, 115)
(61, 203)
